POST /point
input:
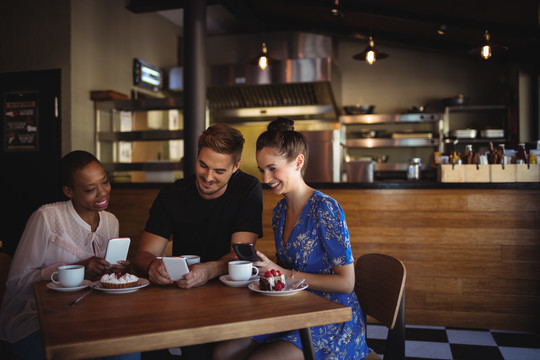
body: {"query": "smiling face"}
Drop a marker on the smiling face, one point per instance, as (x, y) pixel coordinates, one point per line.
(91, 189)
(212, 172)
(277, 172)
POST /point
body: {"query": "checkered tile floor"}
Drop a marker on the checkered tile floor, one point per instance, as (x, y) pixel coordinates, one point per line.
(435, 342)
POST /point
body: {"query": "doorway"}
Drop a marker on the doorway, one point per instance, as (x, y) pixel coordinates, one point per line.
(31, 147)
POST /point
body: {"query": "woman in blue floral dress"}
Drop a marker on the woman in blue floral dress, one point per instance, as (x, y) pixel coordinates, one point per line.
(312, 243)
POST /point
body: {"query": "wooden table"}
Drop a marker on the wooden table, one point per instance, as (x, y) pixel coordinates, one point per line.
(158, 317)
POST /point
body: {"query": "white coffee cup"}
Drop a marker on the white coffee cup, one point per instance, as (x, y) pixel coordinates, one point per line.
(192, 259)
(242, 270)
(69, 275)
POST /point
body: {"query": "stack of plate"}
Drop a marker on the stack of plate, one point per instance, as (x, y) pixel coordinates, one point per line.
(492, 133)
(463, 133)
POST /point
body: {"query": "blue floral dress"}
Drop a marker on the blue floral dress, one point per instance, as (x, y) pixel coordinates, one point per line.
(320, 240)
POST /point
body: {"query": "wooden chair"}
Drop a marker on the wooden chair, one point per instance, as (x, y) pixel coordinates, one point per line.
(380, 288)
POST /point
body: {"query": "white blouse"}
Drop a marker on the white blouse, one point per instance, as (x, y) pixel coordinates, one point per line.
(54, 235)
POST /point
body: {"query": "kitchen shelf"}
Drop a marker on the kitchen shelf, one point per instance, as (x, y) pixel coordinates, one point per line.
(380, 143)
(140, 140)
(349, 141)
(148, 135)
(389, 118)
(476, 123)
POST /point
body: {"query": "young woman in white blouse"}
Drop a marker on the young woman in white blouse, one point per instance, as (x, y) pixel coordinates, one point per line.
(75, 231)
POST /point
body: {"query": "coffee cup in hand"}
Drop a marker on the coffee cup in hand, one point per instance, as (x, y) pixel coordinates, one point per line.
(69, 275)
(192, 259)
(242, 270)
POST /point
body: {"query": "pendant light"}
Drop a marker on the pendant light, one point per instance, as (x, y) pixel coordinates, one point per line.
(487, 48)
(263, 60)
(336, 9)
(370, 54)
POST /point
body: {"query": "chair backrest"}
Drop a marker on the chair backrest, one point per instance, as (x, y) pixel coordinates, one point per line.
(380, 286)
(5, 262)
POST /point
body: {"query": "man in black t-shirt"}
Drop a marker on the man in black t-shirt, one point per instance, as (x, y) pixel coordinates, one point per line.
(204, 213)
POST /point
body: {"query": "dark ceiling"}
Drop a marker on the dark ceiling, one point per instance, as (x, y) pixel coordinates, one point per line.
(413, 24)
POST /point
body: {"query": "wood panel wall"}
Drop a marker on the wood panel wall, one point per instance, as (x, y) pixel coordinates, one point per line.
(472, 256)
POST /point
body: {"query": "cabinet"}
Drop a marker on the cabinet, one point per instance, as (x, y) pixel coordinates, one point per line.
(395, 137)
(479, 125)
(140, 140)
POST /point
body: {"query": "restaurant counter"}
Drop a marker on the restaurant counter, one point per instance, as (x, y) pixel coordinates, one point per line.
(472, 250)
(387, 184)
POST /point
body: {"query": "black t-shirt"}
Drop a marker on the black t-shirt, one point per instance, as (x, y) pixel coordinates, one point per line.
(204, 227)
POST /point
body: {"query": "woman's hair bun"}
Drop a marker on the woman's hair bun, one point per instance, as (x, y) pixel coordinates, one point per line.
(281, 124)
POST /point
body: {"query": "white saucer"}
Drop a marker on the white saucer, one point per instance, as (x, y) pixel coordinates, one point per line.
(142, 283)
(226, 279)
(290, 289)
(58, 287)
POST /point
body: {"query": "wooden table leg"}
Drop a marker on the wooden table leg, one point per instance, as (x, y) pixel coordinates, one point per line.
(307, 344)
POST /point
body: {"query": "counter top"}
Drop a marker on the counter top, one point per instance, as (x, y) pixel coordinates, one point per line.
(386, 184)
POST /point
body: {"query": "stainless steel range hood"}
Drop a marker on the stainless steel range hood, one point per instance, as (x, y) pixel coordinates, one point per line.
(303, 86)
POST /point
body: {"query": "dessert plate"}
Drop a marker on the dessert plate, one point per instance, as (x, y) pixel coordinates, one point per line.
(290, 288)
(226, 279)
(142, 283)
(59, 287)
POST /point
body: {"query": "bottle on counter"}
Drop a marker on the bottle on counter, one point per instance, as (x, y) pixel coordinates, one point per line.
(521, 155)
(532, 158)
(467, 155)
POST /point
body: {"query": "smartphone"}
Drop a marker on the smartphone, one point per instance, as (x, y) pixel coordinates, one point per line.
(246, 251)
(117, 249)
(176, 266)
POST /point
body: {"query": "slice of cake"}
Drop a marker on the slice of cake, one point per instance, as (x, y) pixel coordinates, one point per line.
(119, 281)
(272, 280)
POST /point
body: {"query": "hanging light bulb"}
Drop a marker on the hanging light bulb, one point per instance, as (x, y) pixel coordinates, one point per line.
(336, 9)
(486, 48)
(370, 54)
(263, 60)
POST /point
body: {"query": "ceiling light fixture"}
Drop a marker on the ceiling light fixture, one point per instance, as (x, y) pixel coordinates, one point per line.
(370, 54)
(442, 29)
(487, 48)
(264, 60)
(336, 9)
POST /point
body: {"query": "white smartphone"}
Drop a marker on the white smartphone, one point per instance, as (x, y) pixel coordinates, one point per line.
(176, 266)
(117, 249)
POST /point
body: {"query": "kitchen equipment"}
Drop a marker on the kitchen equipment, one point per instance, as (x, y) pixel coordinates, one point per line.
(416, 109)
(359, 109)
(413, 169)
(463, 133)
(492, 133)
(365, 134)
(359, 171)
(382, 159)
(459, 100)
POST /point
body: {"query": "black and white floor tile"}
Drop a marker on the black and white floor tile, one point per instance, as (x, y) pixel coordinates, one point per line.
(436, 342)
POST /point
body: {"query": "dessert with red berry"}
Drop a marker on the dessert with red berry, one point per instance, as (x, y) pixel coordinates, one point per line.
(272, 280)
(119, 281)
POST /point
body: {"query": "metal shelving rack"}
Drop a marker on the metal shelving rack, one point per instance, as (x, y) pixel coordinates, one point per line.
(108, 135)
(371, 119)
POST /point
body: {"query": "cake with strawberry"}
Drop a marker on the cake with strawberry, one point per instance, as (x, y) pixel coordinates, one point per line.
(272, 280)
(119, 281)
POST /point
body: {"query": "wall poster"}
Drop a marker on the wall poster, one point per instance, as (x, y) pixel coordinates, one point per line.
(21, 121)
